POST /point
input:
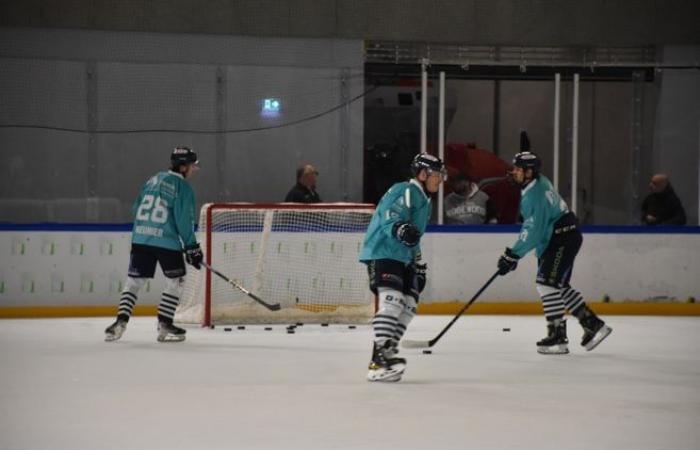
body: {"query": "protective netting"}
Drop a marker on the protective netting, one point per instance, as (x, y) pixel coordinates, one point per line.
(305, 258)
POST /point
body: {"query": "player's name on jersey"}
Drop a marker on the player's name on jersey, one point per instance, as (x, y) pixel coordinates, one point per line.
(150, 231)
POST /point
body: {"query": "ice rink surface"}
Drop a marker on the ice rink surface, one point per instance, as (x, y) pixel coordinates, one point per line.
(62, 387)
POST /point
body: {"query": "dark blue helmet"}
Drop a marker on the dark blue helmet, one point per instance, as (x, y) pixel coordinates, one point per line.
(429, 162)
(181, 156)
(527, 160)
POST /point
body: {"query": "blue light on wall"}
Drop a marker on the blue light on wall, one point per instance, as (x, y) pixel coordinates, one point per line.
(271, 107)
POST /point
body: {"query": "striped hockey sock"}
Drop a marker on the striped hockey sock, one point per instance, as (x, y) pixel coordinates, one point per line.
(385, 327)
(126, 305)
(573, 300)
(553, 305)
(167, 306)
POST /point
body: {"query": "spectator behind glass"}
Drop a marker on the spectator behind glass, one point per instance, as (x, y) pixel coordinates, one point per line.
(662, 206)
(467, 204)
(305, 189)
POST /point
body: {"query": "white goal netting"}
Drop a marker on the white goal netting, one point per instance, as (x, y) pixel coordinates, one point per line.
(304, 257)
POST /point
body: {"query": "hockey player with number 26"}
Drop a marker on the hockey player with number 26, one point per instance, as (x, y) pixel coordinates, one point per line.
(392, 253)
(163, 227)
(552, 230)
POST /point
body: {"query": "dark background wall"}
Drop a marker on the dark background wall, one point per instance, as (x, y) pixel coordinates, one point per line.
(179, 65)
(477, 22)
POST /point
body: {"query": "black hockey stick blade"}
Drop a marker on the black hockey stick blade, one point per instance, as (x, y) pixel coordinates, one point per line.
(270, 306)
(408, 343)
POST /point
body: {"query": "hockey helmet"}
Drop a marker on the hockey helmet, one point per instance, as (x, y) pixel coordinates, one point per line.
(428, 162)
(183, 155)
(527, 160)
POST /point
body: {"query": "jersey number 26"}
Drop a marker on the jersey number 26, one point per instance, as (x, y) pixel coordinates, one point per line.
(153, 209)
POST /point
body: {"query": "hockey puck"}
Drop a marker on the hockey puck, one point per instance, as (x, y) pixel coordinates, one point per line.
(427, 352)
(299, 324)
(212, 326)
(290, 330)
(241, 327)
(227, 329)
(324, 324)
(506, 329)
(352, 327)
(268, 328)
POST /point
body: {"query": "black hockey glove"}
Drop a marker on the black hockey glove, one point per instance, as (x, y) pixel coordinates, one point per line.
(507, 262)
(406, 233)
(194, 256)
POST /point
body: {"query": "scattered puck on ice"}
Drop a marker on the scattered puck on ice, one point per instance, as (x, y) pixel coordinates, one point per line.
(290, 330)
(324, 324)
(352, 327)
(241, 327)
(506, 329)
(211, 326)
(299, 324)
(268, 328)
(227, 329)
(427, 352)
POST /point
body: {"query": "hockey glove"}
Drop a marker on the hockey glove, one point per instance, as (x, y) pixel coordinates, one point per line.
(194, 256)
(507, 262)
(406, 233)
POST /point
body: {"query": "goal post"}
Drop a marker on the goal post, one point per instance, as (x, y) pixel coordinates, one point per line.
(302, 256)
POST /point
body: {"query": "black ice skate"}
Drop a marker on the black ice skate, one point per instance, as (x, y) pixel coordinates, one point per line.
(115, 331)
(383, 367)
(556, 341)
(594, 330)
(167, 332)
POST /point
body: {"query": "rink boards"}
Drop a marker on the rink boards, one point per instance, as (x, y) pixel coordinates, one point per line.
(74, 270)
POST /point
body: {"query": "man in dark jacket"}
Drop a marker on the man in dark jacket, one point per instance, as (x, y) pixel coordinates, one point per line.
(305, 189)
(662, 206)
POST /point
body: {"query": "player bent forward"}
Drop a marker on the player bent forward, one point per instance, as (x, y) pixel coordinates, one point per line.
(163, 224)
(391, 251)
(551, 229)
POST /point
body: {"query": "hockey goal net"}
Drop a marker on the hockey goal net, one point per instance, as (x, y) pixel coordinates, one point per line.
(304, 257)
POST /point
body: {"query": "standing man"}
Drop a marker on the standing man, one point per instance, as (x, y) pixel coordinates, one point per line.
(163, 227)
(662, 206)
(467, 204)
(391, 251)
(552, 230)
(305, 189)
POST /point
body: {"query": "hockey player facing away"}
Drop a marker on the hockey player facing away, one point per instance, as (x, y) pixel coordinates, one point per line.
(552, 230)
(163, 226)
(391, 251)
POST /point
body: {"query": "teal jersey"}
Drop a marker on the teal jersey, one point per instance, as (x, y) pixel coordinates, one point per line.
(541, 206)
(164, 213)
(403, 202)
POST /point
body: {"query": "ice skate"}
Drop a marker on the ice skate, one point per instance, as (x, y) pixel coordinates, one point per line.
(556, 341)
(167, 332)
(385, 368)
(594, 330)
(115, 331)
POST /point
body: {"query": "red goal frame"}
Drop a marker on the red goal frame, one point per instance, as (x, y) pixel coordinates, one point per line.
(229, 206)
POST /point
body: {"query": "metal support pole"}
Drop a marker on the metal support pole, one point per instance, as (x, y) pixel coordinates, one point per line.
(441, 143)
(424, 108)
(555, 144)
(344, 132)
(574, 148)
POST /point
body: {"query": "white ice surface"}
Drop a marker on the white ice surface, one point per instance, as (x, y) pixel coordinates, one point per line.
(62, 387)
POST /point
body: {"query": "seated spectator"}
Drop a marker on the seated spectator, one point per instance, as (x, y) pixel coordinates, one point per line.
(467, 204)
(305, 189)
(662, 206)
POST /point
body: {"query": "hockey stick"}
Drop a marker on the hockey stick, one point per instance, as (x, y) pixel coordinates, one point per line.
(424, 344)
(271, 307)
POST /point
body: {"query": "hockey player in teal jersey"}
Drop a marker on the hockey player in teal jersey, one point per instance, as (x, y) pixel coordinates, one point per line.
(164, 219)
(391, 251)
(552, 231)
